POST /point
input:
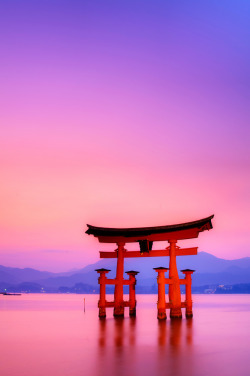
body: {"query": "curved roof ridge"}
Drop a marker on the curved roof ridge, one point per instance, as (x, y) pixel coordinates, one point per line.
(201, 225)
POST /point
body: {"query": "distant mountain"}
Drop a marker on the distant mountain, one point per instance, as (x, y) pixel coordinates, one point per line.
(210, 270)
(17, 275)
(203, 262)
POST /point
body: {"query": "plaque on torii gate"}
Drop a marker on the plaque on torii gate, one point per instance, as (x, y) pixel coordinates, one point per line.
(145, 236)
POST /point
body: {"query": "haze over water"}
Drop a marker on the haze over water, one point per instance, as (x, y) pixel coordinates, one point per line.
(51, 335)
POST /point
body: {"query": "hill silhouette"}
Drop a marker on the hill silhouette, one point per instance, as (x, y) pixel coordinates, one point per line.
(210, 270)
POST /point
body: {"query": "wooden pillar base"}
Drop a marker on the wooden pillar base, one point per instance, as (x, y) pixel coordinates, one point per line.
(161, 314)
(189, 313)
(132, 312)
(119, 311)
(102, 313)
(175, 313)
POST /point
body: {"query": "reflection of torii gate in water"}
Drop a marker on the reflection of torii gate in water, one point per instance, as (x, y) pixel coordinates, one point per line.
(145, 236)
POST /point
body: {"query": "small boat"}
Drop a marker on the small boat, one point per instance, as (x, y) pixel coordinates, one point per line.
(9, 293)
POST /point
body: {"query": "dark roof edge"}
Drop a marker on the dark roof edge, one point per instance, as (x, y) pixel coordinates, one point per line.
(141, 231)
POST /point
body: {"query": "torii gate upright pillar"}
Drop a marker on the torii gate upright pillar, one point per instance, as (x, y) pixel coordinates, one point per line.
(174, 287)
(118, 295)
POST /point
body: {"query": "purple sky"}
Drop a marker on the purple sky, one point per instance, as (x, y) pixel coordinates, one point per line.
(122, 113)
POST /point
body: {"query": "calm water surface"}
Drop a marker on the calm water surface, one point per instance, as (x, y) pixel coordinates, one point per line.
(52, 335)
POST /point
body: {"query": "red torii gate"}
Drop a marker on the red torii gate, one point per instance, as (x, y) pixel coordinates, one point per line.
(145, 236)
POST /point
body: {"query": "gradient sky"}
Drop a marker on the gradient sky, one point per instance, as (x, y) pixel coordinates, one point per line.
(122, 113)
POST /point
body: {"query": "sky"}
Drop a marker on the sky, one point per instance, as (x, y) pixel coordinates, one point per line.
(122, 114)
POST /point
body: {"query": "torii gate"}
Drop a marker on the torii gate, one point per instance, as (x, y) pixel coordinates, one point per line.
(145, 236)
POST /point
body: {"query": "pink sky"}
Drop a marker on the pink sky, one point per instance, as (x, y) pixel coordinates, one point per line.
(122, 114)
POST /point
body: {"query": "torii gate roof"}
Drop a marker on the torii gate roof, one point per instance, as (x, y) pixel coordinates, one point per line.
(186, 230)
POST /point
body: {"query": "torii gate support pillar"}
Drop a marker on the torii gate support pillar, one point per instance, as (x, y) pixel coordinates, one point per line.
(188, 282)
(161, 304)
(132, 300)
(102, 300)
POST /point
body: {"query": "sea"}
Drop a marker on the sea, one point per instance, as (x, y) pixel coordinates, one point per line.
(61, 335)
